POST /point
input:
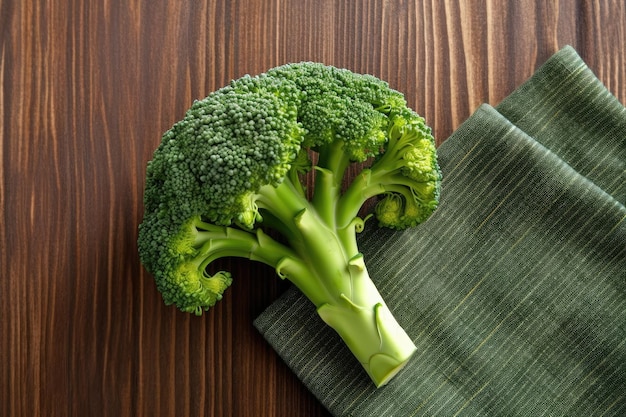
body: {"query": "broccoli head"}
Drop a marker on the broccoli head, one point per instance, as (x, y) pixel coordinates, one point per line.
(228, 180)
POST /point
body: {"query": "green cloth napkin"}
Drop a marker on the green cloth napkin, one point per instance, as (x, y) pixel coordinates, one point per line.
(514, 291)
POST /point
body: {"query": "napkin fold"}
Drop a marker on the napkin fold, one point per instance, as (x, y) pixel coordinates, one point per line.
(514, 291)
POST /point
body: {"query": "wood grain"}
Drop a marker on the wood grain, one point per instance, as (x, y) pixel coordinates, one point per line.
(87, 90)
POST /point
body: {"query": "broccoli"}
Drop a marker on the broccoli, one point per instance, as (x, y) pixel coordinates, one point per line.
(228, 180)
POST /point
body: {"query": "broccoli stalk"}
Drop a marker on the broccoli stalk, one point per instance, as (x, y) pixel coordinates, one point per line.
(227, 181)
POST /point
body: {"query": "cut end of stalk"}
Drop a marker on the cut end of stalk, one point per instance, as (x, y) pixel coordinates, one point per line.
(374, 337)
(383, 368)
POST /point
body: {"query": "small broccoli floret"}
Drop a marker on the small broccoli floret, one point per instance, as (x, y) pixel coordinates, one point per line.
(405, 174)
(178, 264)
(229, 180)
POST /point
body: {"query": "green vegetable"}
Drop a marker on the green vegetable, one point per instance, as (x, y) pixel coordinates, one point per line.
(228, 181)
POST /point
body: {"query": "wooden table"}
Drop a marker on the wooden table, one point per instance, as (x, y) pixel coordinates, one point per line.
(88, 88)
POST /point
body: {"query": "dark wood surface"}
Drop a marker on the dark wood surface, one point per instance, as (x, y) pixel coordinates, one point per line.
(88, 88)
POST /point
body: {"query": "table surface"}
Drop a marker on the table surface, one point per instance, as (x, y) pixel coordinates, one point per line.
(88, 88)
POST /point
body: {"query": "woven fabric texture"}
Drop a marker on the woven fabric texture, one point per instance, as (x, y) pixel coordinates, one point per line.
(514, 291)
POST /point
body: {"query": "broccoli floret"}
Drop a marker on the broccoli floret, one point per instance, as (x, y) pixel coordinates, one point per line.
(228, 180)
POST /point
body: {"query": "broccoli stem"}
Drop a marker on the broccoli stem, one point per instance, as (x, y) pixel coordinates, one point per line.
(349, 302)
(358, 192)
(370, 331)
(213, 242)
(331, 167)
(336, 281)
(370, 182)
